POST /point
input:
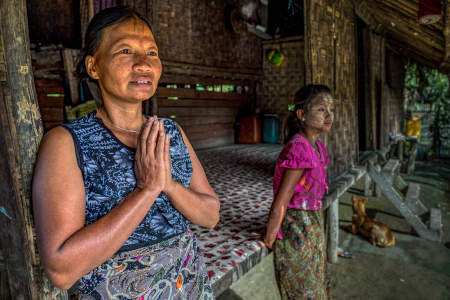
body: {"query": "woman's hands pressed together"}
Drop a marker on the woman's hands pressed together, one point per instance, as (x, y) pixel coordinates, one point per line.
(152, 165)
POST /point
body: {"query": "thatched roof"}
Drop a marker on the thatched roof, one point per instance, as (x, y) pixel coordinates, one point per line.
(397, 20)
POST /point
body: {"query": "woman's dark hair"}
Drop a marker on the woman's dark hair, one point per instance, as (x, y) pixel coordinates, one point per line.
(291, 124)
(94, 32)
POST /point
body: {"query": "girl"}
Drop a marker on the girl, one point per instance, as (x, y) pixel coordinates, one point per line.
(295, 225)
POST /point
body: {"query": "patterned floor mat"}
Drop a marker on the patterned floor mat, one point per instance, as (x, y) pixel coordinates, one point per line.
(241, 175)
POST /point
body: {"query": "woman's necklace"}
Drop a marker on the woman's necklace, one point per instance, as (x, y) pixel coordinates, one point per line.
(115, 126)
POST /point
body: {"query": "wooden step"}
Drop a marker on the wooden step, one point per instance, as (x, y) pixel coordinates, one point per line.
(392, 195)
(413, 201)
(436, 222)
(391, 169)
(399, 183)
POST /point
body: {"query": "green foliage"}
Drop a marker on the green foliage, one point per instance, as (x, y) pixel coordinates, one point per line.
(412, 77)
(433, 88)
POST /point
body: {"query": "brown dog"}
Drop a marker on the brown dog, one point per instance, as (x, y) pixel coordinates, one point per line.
(377, 233)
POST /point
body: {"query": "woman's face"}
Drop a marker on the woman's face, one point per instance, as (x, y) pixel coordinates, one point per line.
(320, 113)
(126, 64)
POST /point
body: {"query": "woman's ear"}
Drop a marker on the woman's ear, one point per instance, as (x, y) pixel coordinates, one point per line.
(90, 66)
(299, 113)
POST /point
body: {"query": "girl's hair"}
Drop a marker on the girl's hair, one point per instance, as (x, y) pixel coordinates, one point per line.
(94, 32)
(291, 124)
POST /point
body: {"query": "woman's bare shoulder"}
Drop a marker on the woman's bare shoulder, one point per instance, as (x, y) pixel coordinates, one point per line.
(57, 136)
(57, 145)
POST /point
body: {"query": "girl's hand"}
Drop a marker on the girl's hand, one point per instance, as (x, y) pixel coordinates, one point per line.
(269, 239)
(150, 162)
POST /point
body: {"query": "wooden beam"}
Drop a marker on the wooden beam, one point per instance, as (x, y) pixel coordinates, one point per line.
(408, 26)
(445, 65)
(197, 103)
(21, 132)
(194, 94)
(362, 12)
(414, 54)
(173, 67)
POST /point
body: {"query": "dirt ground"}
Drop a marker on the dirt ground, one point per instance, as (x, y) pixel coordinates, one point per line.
(413, 269)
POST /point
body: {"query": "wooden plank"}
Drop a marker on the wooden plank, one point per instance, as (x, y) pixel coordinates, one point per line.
(401, 206)
(21, 132)
(183, 79)
(214, 142)
(412, 199)
(368, 192)
(207, 127)
(391, 169)
(49, 86)
(53, 102)
(220, 132)
(50, 124)
(196, 111)
(194, 94)
(174, 67)
(52, 114)
(197, 103)
(70, 58)
(436, 221)
(190, 121)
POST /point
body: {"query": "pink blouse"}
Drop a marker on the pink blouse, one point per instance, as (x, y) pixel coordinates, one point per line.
(299, 154)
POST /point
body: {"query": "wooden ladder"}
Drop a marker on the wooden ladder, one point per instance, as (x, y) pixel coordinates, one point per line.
(411, 207)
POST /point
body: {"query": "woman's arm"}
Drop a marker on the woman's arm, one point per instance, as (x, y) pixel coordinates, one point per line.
(278, 210)
(69, 249)
(198, 203)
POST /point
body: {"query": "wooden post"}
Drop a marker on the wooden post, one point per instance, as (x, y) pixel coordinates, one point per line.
(20, 134)
(412, 159)
(333, 225)
(368, 186)
(400, 150)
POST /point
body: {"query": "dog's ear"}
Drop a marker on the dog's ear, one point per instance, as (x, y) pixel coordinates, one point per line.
(365, 200)
(354, 198)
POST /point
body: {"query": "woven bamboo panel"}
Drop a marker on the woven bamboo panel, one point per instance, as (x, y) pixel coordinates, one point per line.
(281, 83)
(330, 59)
(194, 32)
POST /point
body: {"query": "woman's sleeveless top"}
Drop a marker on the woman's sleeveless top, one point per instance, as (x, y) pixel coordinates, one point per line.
(107, 168)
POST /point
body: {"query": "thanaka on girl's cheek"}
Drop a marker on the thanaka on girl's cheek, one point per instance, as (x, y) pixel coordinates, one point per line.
(314, 119)
(320, 114)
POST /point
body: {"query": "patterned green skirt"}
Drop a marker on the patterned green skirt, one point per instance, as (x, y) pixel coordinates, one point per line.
(299, 256)
(172, 269)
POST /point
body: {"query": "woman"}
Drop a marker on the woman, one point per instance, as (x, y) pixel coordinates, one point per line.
(295, 225)
(114, 192)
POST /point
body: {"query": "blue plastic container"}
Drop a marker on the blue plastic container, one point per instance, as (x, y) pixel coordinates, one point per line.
(271, 129)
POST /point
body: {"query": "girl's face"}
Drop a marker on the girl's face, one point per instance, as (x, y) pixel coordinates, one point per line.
(320, 113)
(126, 64)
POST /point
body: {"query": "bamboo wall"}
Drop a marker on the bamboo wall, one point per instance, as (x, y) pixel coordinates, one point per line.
(196, 47)
(330, 58)
(280, 83)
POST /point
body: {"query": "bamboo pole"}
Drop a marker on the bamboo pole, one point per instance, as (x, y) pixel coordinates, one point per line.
(21, 132)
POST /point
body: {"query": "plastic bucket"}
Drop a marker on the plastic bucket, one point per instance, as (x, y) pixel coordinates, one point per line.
(271, 129)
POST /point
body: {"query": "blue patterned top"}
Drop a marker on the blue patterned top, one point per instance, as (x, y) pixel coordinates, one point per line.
(107, 168)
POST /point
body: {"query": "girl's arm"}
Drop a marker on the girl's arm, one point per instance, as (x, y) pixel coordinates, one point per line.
(278, 210)
(198, 203)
